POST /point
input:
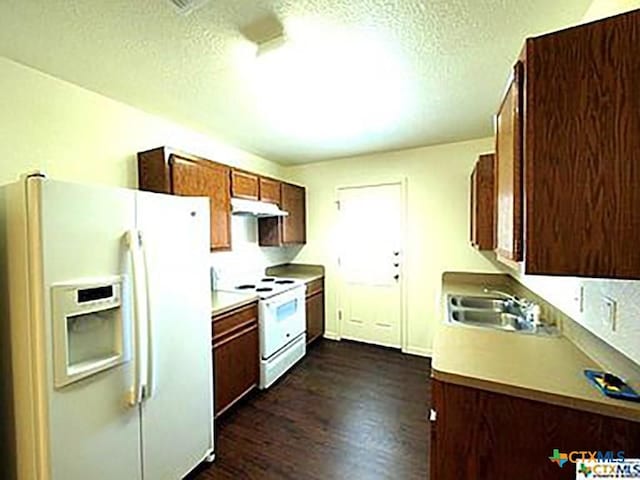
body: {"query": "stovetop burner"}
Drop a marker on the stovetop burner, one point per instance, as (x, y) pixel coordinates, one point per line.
(265, 286)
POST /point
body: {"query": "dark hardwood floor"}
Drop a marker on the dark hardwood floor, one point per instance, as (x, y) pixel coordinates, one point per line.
(346, 411)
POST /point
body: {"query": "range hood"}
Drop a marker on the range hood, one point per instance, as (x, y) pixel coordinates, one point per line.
(240, 206)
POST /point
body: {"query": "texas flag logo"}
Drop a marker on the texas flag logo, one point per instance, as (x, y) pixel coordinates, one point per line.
(559, 458)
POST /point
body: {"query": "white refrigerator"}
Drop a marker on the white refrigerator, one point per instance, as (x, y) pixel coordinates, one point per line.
(105, 333)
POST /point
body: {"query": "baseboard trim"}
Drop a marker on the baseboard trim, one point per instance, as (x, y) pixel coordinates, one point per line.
(417, 351)
(420, 352)
(331, 336)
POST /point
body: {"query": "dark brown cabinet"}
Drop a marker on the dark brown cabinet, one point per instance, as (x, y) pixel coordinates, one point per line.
(244, 185)
(483, 203)
(167, 171)
(509, 171)
(270, 190)
(580, 149)
(289, 230)
(294, 227)
(236, 355)
(477, 434)
(315, 310)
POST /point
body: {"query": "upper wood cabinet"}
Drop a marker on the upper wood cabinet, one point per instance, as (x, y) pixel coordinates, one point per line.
(483, 203)
(581, 152)
(244, 185)
(289, 230)
(509, 171)
(167, 171)
(270, 190)
(294, 227)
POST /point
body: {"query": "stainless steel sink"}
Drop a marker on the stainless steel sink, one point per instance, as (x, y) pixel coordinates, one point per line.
(492, 312)
(489, 303)
(491, 319)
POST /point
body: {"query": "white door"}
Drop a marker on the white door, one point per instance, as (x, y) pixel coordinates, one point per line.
(92, 433)
(177, 416)
(370, 244)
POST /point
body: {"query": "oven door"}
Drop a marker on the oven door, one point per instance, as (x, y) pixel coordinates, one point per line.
(282, 319)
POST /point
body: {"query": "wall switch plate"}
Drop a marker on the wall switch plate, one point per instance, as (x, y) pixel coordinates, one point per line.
(610, 313)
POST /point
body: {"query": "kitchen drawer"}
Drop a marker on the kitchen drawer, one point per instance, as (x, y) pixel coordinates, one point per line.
(315, 286)
(234, 321)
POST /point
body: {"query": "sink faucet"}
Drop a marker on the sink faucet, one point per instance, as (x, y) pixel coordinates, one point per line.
(529, 309)
(506, 295)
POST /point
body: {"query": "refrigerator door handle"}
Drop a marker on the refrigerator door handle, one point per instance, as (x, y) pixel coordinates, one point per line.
(149, 384)
(134, 242)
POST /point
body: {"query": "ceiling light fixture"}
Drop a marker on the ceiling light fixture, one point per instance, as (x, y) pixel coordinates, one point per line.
(267, 33)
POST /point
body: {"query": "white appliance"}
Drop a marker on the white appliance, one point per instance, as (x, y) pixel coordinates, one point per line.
(282, 323)
(241, 206)
(105, 333)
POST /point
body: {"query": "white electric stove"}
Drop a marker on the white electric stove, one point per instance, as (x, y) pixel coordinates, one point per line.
(281, 318)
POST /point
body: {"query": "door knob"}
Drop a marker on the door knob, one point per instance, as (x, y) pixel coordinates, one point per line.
(396, 277)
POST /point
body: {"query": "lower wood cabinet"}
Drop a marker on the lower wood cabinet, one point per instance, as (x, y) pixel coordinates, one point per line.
(236, 355)
(477, 434)
(315, 310)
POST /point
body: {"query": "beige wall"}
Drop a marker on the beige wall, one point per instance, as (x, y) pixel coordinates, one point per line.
(77, 135)
(605, 8)
(74, 134)
(438, 222)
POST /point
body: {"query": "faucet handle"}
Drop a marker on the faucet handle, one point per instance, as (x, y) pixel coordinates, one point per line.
(533, 313)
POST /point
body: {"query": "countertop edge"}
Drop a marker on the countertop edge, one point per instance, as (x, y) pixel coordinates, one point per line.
(313, 278)
(615, 411)
(234, 306)
(305, 272)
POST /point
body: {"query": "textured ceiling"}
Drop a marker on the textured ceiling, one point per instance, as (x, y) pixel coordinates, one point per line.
(356, 76)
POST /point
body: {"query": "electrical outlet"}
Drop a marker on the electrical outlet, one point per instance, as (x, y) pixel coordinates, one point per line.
(610, 313)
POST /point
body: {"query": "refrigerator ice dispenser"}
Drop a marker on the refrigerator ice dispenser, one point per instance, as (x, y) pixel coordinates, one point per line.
(88, 328)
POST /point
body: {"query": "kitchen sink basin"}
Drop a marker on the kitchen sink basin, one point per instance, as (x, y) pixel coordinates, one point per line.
(488, 303)
(493, 312)
(491, 319)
